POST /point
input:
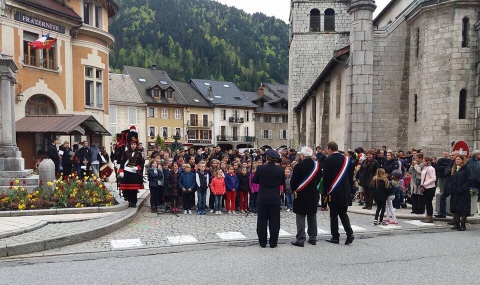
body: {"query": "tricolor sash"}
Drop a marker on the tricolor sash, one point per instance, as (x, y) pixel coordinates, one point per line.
(309, 178)
(340, 175)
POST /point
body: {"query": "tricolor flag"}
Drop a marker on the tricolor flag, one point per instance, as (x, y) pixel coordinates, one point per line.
(45, 42)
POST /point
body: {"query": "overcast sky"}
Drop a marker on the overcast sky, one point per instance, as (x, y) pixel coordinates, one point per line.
(277, 8)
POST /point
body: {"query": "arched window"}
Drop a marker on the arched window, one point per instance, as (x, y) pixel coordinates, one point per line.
(415, 108)
(315, 20)
(40, 105)
(462, 106)
(329, 23)
(465, 29)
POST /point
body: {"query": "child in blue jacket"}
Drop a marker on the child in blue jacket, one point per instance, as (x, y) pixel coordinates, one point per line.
(187, 184)
(231, 183)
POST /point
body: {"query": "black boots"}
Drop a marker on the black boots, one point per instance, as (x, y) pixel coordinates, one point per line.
(460, 226)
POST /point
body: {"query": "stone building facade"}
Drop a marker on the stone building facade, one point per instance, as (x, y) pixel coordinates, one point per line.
(416, 84)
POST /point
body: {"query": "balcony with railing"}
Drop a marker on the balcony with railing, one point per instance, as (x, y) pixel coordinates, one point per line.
(199, 124)
(221, 138)
(39, 62)
(200, 141)
(236, 120)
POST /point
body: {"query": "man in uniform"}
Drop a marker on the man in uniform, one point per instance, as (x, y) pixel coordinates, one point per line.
(304, 183)
(270, 177)
(53, 155)
(338, 184)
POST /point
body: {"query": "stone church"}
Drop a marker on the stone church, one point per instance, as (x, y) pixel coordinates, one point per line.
(408, 78)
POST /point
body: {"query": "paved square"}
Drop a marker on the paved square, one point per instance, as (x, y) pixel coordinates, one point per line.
(182, 239)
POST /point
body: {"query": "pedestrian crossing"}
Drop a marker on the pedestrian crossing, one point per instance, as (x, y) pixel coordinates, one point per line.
(239, 236)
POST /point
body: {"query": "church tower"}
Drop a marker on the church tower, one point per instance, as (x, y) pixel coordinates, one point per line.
(317, 29)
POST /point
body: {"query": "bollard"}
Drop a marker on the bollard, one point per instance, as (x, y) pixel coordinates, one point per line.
(46, 172)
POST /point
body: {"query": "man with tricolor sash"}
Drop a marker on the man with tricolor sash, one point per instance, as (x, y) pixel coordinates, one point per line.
(306, 176)
(338, 185)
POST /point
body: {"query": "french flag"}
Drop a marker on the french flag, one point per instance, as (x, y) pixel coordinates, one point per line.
(45, 42)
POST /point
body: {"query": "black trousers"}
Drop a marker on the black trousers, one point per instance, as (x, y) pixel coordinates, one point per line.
(368, 197)
(342, 213)
(67, 169)
(211, 201)
(418, 204)
(380, 210)
(428, 195)
(57, 167)
(268, 214)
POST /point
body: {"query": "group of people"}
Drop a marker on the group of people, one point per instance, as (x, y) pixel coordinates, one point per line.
(386, 177)
(83, 160)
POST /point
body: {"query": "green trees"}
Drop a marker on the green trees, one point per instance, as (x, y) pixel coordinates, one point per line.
(201, 39)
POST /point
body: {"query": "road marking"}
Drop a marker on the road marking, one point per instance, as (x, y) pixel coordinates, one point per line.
(319, 231)
(419, 223)
(281, 233)
(355, 228)
(390, 227)
(181, 239)
(231, 235)
(125, 243)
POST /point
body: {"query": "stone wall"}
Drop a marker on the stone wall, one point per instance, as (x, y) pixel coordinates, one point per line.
(311, 51)
(442, 69)
(390, 97)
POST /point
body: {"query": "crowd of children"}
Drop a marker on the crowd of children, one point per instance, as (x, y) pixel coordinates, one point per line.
(213, 184)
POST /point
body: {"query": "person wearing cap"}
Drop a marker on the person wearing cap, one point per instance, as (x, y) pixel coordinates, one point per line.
(269, 177)
(129, 172)
(304, 183)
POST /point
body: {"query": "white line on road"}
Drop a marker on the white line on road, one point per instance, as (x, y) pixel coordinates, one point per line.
(355, 228)
(181, 239)
(419, 223)
(125, 243)
(231, 235)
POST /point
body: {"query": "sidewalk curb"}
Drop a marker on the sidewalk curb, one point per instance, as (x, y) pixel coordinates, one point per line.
(471, 220)
(24, 230)
(69, 239)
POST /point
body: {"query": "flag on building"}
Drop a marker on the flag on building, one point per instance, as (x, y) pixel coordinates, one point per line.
(45, 42)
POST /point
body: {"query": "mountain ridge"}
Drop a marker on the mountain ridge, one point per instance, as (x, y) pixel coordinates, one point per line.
(201, 39)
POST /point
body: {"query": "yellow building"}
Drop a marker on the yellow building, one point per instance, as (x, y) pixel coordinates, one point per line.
(165, 104)
(67, 81)
(198, 116)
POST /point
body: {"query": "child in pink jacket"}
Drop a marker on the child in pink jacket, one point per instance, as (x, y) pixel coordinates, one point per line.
(218, 188)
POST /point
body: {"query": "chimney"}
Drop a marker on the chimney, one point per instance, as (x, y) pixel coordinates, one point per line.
(153, 67)
(260, 91)
(210, 92)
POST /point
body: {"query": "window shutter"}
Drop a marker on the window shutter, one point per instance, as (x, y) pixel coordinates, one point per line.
(169, 134)
(281, 134)
(286, 134)
(181, 132)
(261, 119)
(156, 131)
(269, 134)
(273, 119)
(280, 119)
(155, 112)
(261, 134)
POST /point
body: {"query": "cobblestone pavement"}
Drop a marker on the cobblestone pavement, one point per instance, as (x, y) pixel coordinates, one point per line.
(152, 230)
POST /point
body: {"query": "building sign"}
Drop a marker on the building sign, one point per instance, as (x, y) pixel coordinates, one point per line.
(39, 23)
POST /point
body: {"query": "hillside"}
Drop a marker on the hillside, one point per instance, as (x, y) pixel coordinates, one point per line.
(200, 39)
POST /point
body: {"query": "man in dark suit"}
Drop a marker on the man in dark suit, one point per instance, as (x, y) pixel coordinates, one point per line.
(65, 153)
(53, 155)
(338, 184)
(270, 177)
(304, 183)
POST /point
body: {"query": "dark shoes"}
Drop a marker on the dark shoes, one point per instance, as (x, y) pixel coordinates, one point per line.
(349, 240)
(153, 210)
(273, 245)
(440, 216)
(456, 227)
(461, 229)
(334, 241)
(312, 242)
(296, 243)
(262, 245)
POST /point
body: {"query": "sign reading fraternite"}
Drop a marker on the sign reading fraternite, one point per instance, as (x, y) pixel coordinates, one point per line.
(39, 23)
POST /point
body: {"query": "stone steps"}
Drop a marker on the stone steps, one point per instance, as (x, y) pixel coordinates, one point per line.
(31, 183)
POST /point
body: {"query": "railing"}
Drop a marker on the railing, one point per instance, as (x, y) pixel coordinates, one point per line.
(200, 141)
(236, 120)
(200, 124)
(236, 138)
(38, 62)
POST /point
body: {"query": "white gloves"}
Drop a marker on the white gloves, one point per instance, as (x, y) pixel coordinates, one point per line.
(121, 174)
(130, 169)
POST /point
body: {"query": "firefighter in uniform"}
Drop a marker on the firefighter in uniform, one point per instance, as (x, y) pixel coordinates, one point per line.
(270, 177)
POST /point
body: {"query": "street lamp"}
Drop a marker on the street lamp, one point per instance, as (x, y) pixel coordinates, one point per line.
(176, 145)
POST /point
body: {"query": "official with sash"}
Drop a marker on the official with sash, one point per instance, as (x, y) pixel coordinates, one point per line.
(338, 184)
(306, 176)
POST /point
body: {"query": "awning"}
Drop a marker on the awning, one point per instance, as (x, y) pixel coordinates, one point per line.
(61, 124)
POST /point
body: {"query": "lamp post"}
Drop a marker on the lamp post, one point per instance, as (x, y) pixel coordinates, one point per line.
(176, 145)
